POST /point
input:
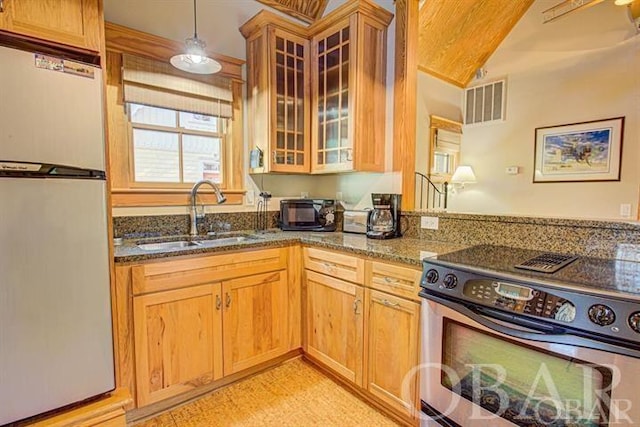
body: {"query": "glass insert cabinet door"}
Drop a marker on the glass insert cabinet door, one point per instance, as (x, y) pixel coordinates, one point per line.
(291, 148)
(332, 145)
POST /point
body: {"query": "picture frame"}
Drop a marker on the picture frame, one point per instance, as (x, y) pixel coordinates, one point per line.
(579, 152)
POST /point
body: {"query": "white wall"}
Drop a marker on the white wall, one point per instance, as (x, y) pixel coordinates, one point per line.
(435, 97)
(582, 67)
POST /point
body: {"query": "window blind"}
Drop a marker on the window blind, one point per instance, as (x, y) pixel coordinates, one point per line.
(158, 84)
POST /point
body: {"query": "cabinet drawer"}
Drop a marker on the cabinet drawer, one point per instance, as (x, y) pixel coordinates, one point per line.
(345, 267)
(175, 274)
(400, 281)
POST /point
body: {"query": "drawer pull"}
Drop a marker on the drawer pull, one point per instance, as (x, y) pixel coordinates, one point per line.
(1, 6)
(388, 303)
(218, 302)
(388, 279)
(329, 265)
(228, 303)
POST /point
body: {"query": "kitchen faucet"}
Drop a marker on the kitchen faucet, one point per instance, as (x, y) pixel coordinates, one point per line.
(192, 211)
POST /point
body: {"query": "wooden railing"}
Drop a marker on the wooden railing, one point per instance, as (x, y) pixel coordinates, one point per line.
(428, 195)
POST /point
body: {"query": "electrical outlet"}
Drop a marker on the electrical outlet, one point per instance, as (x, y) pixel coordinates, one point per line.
(304, 194)
(339, 195)
(251, 197)
(429, 222)
(625, 210)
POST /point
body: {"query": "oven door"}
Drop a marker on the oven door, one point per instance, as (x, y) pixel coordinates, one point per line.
(479, 371)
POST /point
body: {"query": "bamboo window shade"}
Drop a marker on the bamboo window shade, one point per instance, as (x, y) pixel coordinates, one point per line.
(158, 84)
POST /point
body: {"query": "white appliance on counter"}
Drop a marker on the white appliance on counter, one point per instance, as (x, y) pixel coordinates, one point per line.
(56, 343)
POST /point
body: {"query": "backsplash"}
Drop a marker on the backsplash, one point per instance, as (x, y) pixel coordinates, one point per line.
(171, 225)
(600, 239)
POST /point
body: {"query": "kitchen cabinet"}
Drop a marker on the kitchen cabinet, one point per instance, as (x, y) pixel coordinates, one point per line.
(363, 323)
(254, 320)
(75, 23)
(348, 89)
(339, 63)
(335, 324)
(278, 93)
(183, 323)
(178, 341)
(391, 349)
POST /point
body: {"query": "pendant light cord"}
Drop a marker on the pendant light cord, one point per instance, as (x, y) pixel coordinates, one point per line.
(195, 21)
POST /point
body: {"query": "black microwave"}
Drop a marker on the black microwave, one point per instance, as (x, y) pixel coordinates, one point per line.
(307, 214)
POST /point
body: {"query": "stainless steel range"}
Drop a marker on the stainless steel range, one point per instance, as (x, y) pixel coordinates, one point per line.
(516, 337)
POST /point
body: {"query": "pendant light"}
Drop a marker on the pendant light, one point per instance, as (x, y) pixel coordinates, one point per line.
(195, 59)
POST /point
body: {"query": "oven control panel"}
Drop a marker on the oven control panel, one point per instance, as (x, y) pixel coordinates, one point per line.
(519, 299)
(578, 309)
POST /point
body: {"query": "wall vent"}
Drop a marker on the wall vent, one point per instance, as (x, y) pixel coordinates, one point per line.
(485, 103)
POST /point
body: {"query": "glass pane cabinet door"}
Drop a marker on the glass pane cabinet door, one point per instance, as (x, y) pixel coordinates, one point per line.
(334, 147)
(289, 151)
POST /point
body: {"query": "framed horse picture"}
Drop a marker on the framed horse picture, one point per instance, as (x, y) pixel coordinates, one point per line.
(579, 152)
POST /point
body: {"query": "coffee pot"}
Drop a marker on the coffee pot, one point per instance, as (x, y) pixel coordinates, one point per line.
(384, 219)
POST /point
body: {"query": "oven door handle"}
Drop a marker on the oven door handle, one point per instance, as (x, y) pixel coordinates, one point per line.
(528, 330)
(529, 326)
(547, 334)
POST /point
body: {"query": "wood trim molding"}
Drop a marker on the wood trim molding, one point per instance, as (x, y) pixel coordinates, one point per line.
(405, 87)
(109, 411)
(365, 7)
(140, 198)
(437, 122)
(305, 10)
(127, 40)
(264, 18)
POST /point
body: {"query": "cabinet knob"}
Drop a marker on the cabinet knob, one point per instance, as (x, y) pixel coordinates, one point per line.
(356, 303)
(228, 302)
(218, 302)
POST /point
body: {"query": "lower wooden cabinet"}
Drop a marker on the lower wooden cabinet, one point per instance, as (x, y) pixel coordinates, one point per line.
(335, 323)
(254, 320)
(391, 349)
(178, 339)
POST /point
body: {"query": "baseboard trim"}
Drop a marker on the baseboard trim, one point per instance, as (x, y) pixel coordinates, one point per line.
(363, 394)
(155, 409)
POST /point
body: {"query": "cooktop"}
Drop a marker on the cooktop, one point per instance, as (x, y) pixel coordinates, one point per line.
(609, 277)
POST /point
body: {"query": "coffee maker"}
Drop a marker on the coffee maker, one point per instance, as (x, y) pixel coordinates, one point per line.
(384, 220)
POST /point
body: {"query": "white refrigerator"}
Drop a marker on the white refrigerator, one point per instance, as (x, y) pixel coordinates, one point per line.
(56, 343)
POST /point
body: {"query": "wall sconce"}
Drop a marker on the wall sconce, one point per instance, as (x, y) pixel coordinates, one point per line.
(463, 175)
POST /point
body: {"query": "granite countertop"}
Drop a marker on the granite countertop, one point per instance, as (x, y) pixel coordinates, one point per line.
(403, 250)
(613, 277)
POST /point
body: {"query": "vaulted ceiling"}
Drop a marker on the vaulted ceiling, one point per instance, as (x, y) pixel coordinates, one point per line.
(456, 37)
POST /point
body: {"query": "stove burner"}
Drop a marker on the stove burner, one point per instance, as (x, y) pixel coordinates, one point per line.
(547, 263)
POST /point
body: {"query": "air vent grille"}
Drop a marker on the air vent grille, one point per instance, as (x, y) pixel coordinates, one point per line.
(547, 263)
(485, 103)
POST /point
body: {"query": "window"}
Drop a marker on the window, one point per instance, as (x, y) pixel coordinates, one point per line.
(167, 128)
(176, 147)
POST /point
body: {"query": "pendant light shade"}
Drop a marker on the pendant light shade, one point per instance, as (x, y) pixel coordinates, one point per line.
(195, 59)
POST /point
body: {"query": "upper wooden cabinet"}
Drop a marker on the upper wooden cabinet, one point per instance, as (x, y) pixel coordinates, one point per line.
(348, 73)
(317, 95)
(76, 23)
(278, 93)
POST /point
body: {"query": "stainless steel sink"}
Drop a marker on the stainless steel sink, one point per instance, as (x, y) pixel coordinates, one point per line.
(181, 244)
(220, 241)
(187, 244)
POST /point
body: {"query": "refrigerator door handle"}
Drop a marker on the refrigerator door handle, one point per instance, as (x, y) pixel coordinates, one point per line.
(19, 169)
